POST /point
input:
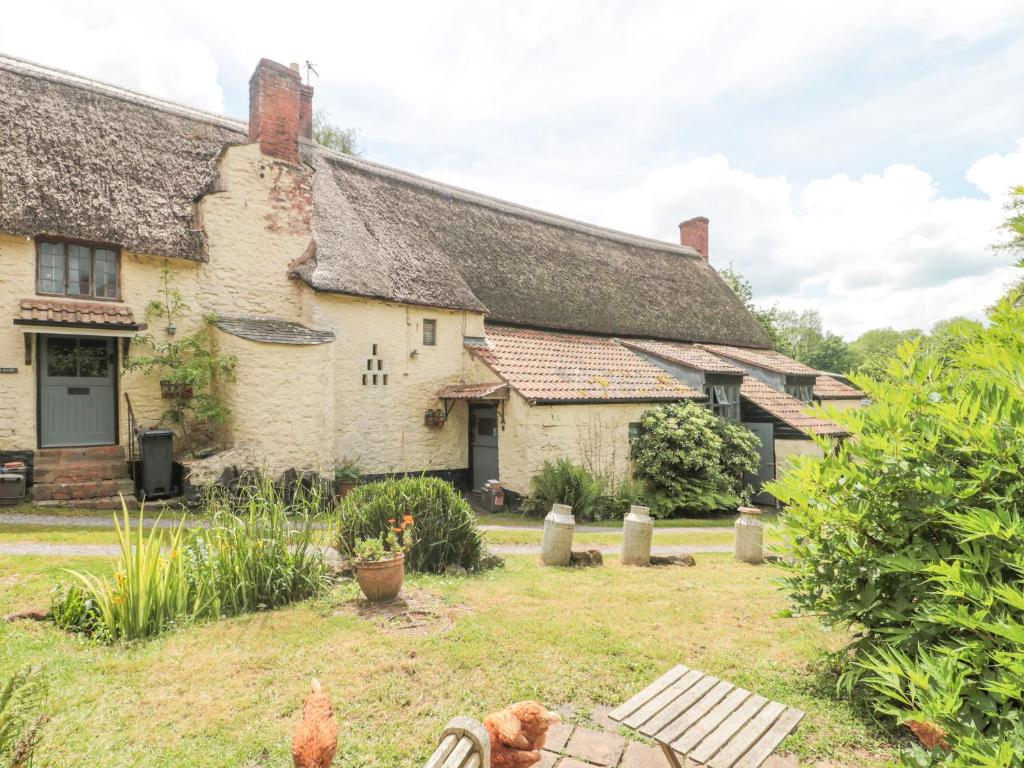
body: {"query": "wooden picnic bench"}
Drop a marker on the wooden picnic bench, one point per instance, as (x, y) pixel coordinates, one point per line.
(464, 743)
(708, 721)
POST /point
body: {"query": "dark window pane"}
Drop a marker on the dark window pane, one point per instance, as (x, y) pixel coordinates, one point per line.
(92, 357)
(79, 271)
(106, 274)
(61, 357)
(51, 268)
(430, 333)
(486, 426)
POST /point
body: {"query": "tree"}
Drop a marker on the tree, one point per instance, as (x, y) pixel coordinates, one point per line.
(1015, 219)
(766, 316)
(875, 348)
(327, 134)
(833, 354)
(801, 332)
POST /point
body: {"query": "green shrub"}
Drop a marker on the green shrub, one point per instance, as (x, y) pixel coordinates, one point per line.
(912, 537)
(563, 482)
(21, 717)
(446, 534)
(252, 557)
(693, 461)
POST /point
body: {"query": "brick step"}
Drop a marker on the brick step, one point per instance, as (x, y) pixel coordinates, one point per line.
(86, 453)
(104, 502)
(81, 471)
(78, 491)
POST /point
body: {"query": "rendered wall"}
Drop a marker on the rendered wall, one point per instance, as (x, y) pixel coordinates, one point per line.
(381, 426)
(787, 449)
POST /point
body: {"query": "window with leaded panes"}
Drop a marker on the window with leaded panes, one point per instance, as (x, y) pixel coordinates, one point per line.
(78, 270)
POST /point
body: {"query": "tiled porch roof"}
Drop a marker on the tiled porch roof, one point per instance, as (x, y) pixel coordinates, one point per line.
(77, 313)
(768, 359)
(493, 390)
(687, 355)
(787, 409)
(829, 388)
(560, 367)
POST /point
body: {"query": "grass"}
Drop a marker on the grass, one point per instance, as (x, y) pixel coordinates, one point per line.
(229, 693)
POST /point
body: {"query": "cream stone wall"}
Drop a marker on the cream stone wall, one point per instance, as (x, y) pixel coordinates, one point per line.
(787, 449)
(381, 426)
(17, 390)
(838, 406)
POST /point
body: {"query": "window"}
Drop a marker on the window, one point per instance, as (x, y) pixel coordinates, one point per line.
(802, 392)
(724, 400)
(634, 430)
(73, 269)
(429, 333)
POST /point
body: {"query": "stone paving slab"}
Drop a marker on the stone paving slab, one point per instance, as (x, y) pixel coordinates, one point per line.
(597, 747)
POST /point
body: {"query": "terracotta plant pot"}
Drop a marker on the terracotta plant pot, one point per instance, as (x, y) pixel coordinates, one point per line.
(343, 488)
(382, 580)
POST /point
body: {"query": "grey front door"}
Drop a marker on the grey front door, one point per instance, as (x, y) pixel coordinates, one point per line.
(766, 468)
(77, 391)
(483, 444)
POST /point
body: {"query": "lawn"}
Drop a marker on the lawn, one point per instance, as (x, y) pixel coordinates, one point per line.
(229, 693)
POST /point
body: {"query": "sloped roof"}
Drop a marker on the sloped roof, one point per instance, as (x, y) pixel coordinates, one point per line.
(688, 355)
(77, 313)
(831, 388)
(493, 390)
(549, 367)
(388, 234)
(271, 330)
(83, 159)
(768, 359)
(787, 409)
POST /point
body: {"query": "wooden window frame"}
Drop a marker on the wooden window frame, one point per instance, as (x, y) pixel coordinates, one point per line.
(92, 247)
(433, 341)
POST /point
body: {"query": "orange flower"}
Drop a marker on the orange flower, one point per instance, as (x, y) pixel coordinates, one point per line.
(391, 520)
(398, 530)
(408, 519)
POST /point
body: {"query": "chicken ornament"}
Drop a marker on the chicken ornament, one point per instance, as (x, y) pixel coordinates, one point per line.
(517, 734)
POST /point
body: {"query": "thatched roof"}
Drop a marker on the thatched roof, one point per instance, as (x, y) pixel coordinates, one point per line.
(87, 160)
(388, 234)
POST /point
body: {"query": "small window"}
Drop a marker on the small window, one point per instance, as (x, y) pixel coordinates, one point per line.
(73, 269)
(429, 333)
(724, 400)
(634, 430)
(802, 392)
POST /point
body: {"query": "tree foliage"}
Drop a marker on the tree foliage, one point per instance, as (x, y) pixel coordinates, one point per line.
(912, 537)
(332, 136)
(693, 461)
(766, 316)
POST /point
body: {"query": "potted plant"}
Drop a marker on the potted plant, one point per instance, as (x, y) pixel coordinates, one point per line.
(346, 477)
(380, 562)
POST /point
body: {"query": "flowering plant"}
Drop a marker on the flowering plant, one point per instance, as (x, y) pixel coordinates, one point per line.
(397, 540)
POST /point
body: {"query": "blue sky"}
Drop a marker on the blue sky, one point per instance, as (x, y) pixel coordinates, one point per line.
(853, 157)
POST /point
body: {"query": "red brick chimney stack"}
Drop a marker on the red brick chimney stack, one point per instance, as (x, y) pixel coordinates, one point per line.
(694, 233)
(274, 109)
(306, 111)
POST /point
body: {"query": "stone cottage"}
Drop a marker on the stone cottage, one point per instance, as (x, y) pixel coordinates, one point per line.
(376, 316)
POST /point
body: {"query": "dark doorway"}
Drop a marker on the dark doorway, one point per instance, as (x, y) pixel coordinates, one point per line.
(483, 444)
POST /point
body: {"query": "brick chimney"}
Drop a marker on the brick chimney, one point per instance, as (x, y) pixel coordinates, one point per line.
(694, 233)
(306, 111)
(274, 109)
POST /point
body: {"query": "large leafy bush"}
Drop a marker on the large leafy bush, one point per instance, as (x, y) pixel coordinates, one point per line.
(693, 461)
(446, 533)
(911, 535)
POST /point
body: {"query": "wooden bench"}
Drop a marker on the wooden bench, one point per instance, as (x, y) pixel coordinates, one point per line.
(464, 743)
(709, 721)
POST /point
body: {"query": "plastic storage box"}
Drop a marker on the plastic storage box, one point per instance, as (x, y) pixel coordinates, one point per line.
(12, 488)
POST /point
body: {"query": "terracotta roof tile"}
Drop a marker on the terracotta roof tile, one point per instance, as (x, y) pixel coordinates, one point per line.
(762, 358)
(830, 388)
(787, 409)
(472, 391)
(72, 312)
(687, 355)
(547, 366)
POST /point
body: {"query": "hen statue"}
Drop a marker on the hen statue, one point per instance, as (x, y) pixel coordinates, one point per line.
(518, 733)
(316, 739)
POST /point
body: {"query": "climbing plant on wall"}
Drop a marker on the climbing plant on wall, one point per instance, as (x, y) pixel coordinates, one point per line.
(191, 367)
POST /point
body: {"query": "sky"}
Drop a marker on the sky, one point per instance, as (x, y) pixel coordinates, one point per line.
(853, 157)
